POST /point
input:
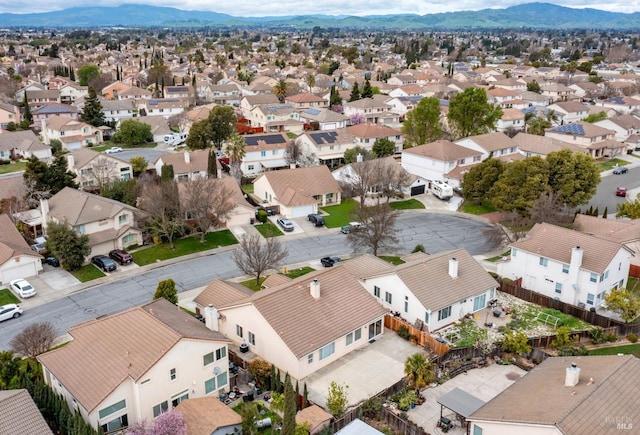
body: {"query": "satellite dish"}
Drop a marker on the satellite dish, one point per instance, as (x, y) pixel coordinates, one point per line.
(217, 370)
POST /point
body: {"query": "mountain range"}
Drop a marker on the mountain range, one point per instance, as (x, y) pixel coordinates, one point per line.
(526, 16)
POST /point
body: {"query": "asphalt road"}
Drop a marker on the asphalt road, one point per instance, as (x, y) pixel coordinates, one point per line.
(150, 154)
(437, 232)
(606, 194)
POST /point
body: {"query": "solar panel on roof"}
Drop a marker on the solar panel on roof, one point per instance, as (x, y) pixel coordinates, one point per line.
(177, 89)
(270, 139)
(617, 100)
(577, 129)
(324, 137)
(311, 111)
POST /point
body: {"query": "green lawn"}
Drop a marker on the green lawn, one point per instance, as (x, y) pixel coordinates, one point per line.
(188, 245)
(633, 284)
(293, 274)
(499, 257)
(251, 283)
(340, 215)
(474, 208)
(12, 167)
(268, 229)
(391, 259)
(629, 349)
(410, 204)
(247, 188)
(87, 273)
(610, 164)
(6, 297)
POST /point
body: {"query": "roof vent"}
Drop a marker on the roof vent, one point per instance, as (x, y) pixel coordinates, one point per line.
(314, 288)
(572, 376)
(453, 267)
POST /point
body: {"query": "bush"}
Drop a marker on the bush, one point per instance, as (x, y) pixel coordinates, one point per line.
(597, 335)
(403, 332)
(632, 338)
(262, 216)
(404, 399)
(611, 338)
(419, 248)
(573, 351)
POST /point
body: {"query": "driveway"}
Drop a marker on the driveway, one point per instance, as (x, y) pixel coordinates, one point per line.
(366, 371)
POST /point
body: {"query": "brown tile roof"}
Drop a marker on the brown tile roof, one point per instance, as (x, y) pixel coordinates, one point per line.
(300, 185)
(24, 140)
(619, 231)
(276, 279)
(221, 293)
(305, 97)
(107, 351)
(367, 265)
(443, 150)
(509, 114)
(198, 161)
(78, 207)
(493, 141)
(542, 144)
(206, 415)
(20, 415)
(12, 244)
(607, 391)
(59, 123)
(12, 186)
(84, 156)
(555, 242)
(572, 106)
(627, 122)
(372, 131)
(315, 416)
(260, 99)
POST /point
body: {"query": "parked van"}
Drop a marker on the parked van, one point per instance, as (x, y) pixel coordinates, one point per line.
(441, 190)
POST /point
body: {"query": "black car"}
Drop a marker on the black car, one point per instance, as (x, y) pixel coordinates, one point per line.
(329, 261)
(316, 219)
(52, 261)
(121, 256)
(103, 262)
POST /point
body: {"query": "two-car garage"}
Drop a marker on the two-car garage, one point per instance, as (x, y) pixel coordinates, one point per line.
(22, 266)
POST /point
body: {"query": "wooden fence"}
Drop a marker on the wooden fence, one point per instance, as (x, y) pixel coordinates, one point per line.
(634, 271)
(421, 338)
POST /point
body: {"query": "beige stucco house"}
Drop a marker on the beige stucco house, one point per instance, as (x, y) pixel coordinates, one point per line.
(72, 133)
(94, 169)
(17, 260)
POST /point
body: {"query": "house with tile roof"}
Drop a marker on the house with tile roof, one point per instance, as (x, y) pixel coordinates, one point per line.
(264, 152)
(251, 101)
(23, 144)
(558, 92)
(328, 146)
(9, 113)
(306, 100)
(17, 259)
(209, 416)
(597, 140)
(511, 120)
(624, 126)
(496, 144)
(108, 223)
(626, 232)
(187, 165)
(365, 135)
(572, 266)
(72, 133)
(325, 119)
(166, 107)
(300, 326)
(127, 367)
(275, 118)
(622, 104)
(96, 169)
(534, 145)
(117, 110)
(50, 110)
(299, 191)
(374, 111)
(569, 111)
(566, 395)
(20, 415)
(70, 91)
(112, 90)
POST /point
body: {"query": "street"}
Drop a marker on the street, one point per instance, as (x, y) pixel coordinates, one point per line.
(606, 194)
(437, 232)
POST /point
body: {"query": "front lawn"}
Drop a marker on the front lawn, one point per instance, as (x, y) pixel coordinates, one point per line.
(252, 285)
(340, 214)
(610, 164)
(186, 246)
(473, 208)
(293, 274)
(410, 204)
(87, 273)
(268, 229)
(247, 188)
(391, 259)
(12, 167)
(6, 297)
(629, 349)
(499, 257)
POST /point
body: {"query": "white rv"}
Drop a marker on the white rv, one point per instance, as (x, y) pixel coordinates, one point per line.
(441, 190)
(175, 139)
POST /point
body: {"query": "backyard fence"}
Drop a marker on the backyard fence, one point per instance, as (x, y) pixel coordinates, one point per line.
(420, 337)
(634, 271)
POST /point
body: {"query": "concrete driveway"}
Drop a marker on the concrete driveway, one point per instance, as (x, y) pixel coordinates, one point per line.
(366, 371)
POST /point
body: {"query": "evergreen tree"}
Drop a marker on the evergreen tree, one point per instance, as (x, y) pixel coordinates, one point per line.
(289, 420)
(212, 164)
(273, 379)
(297, 393)
(305, 396)
(92, 110)
(66, 245)
(355, 93)
(167, 289)
(166, 172)
(334, 97)
(367, 90)
(72, 75)
(27, 111)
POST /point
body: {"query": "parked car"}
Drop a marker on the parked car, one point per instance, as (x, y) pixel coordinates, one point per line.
(316, 219)
(285, 224)
(103, 262)
(621, 191)
(113, 150)
(10, 311)
(329, 261)
(22, 288)
(618, 170)
(351, 227)
(121, 256)
(52, 261)
(38, 247)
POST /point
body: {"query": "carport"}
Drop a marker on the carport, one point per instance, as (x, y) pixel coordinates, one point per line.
(460, 402)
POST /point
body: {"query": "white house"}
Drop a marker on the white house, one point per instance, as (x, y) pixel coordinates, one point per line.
(264, 152)
(325, 119)
(498, 145)
(17, 260)
(96, 169)
(574, 267)
(570, 111)
(327, 146)
(623, 125)
(187, 165)
(22, 144)
(73, 134)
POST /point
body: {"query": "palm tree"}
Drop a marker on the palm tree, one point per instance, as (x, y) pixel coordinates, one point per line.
(419, 371)
(281, 90)
(537, 126)
(311, 81)
(236, 150)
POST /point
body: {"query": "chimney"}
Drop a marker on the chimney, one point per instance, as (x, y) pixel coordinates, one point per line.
(211, 317)
(44, 211)
(453, 268)
(572, 376)
(576, 257)
(292, 165)
(315, 289)
(359, 158)
(187, 157)
(70, 161)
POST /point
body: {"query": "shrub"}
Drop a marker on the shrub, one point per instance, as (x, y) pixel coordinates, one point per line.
(261, 216)
(597, 335)
(562, 338)
(573, 351)
(632, 338)
(403, 332)
(611, 338)
(419, 248)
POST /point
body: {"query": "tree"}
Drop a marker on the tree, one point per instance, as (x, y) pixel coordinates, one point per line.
(516, 342)
(34, 339)
(384, 147)
(521, 183)
(125, 191)
(573, 176)
(334, 97)
(355, 93)
(9, 370)
(470, 113)
(367, 90)
(280, 89)
(66, 245)
(261, 372)
(139, 165)
(624, 302)
(42, 180)
(290, 408)
(133, 132)
(167, 289)
(27, 111)
(222, 122)
(59, 176)
(548, 209)
(200, 136)
(103, 170)
(337, 398)
(311, 81)
(351, 154)
(254, 257)
(357, 118)
(422, 124)
(207, 201)
(419, 371)
(235, 149)
(629, 209)
(162, 202)
(92, 110)
(538, 125)
(56, 146)
(477, 182)
(377, 231)
(249, 413)
(87, 72)
(534, 86)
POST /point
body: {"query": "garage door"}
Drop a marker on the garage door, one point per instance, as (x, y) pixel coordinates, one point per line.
(417, 190)
(22, 271)
(302, 211)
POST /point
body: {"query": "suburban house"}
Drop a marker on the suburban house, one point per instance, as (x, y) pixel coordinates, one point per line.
(185, 93)
(365, 135)
(441, 160)
(38, 98)
(226, 94)
(17, 259)
(558, 92)
(299, 191)
(9, 113)
(512, 119)
(598, 141)
(497, 145)
(626, 232)
(569, 111)
(96, 169)
(70, 91)
(209, 416)
(306, 100)
(624, 126)
(112, 91)
(72, 133)
(22, 145)
(134, 93)
(276, 118)
(264, 152)
(159, 126)
(124, 368)
(117, 110)
(534, 145)
(432, 290)
(108, 223)
(566, 395)
(187, 165)
(572, 266)
(250, 102)
(327, 146)
(166, 107)
(622, 104)
(373, 110)
(325, 119)
(50, 110)
(300, 326)
(20, 414)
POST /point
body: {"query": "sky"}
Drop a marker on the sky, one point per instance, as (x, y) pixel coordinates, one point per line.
(263, 8)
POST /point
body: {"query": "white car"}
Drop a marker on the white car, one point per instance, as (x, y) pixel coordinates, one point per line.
(113, 150)
(22, 288)
(10, 311)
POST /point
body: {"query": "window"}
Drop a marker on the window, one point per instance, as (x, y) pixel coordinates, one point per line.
(221, 380)
(239, 331)
(123, 218)
(593, 277)
(207, 359)
(172, 374)
(559, 287)
(543, 262)
(252, 338)
(514, 252)
(376, 291)
(565, 268)
(479, 302)
(209, 386)
(221, 353)
(388, 297)
(461, 161)
(604, 276)
(477, 430)
(426, 317)
(375, 329)
(128, 239)
(406, 304)
(477, 158)
(111, 409)
(357, 334)
(160, 408)
(118, 423)
(327, 351)
(444, 313)
(349, 338)
(175, 400)
(310, 358)
(274, 152)
(263, 153)
(80, 229)
(590, 298)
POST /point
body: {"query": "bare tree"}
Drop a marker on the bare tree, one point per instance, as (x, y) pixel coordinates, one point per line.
(382, 178)
(378, 228)
(34, 339)
(103, 170)
(207, 201)
(254, 256)
(161, 201)
(295, 153)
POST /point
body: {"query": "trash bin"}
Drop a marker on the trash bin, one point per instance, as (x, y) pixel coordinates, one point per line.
(252, 221)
